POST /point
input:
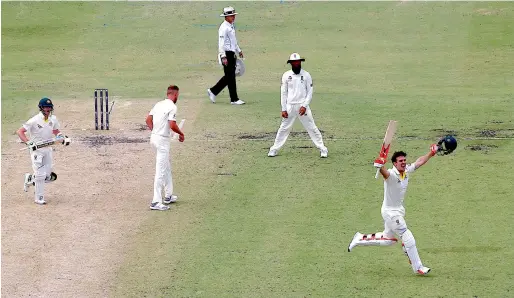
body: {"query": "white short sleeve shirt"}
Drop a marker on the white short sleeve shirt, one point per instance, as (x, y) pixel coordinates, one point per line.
(40, 129)
(162, 113)
(395, 188)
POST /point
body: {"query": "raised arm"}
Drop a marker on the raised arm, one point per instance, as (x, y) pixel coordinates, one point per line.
(380, 164)
(423, 159)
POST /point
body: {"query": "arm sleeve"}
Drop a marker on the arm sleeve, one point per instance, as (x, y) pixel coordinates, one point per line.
(310, 89)
(172, 116)
(27, 125)
(283, 93)
(152, 112)
(238, 48)
(221, 41)
(392, 175)
(410, 168)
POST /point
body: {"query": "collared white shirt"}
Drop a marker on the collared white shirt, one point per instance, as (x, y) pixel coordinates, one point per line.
(41, 129)
(163, 111)
(395, 187)
(227, 39)
(296, 89)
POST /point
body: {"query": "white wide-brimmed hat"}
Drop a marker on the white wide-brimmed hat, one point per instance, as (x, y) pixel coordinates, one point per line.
(228, 11)
(295, 57)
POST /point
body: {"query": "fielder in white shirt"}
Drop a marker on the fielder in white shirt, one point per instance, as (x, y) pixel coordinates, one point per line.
(42, 128)
(228, 49)
(295, 97)
(162, 121)
(396, 181)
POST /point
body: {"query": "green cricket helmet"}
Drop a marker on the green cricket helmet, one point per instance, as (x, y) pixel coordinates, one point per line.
(45, 102)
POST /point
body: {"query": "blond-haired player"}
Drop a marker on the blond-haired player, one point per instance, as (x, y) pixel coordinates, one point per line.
(396, 181)
(161, 121)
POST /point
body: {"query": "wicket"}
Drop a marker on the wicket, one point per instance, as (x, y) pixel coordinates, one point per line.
(101, 100)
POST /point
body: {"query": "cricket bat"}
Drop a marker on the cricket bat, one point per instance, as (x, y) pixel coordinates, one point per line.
(388, 138)
(44, 143)
(180, 125)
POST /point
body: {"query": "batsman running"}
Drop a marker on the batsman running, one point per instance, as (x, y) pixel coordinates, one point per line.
(161, 121)
(295, 97)
(42, 128)
(396, 181)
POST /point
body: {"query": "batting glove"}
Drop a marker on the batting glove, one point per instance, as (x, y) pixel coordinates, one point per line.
(379, 162)
(66, 141)
(32, 146)
(434, 148)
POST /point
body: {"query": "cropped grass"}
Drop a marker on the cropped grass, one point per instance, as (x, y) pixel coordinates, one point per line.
(279, 227)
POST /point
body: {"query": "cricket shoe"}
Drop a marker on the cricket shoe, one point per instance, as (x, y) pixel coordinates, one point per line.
(272, 153)
(159, 206)
(324, 153)
(170, 199)
(423, 270)
(211, 95)
(27, 181)
(355, 241)
(40, 201)
(238, 102)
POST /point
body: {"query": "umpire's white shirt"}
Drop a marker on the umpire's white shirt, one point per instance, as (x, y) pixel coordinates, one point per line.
(41, 129)
(162, 113)
(227, 39)
(395, 187)
(296, 89)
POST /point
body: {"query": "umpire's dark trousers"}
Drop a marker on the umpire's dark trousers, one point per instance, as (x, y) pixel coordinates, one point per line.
(229, 79)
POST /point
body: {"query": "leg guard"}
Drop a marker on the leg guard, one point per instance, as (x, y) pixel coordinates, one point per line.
(39, 183)
(377, 239)
(412, 251)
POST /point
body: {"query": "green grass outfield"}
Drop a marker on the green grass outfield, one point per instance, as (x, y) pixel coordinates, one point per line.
(280, 227)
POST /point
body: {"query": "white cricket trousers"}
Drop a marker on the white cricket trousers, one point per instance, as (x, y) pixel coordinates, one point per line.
(308, 123)
(42, 167)
(163, 178)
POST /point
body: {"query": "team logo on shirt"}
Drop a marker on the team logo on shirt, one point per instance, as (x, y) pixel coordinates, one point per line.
(301, 79)
(39, 126)
(50, 123)
(290, 78)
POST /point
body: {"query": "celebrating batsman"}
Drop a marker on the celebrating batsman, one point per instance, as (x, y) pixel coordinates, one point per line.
(42, 129)
(295, 98)
(396, 181)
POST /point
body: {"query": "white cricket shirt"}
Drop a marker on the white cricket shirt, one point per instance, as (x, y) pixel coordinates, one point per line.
(162, 113)
(296, 89)
(227, 39)
(41, 129)
(395, 188)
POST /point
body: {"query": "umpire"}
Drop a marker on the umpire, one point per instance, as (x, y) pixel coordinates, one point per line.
(228, 49)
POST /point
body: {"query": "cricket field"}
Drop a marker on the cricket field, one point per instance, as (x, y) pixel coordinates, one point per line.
(247, 225)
